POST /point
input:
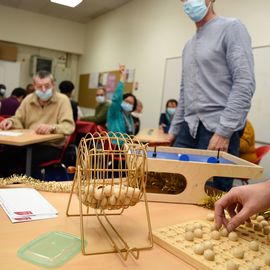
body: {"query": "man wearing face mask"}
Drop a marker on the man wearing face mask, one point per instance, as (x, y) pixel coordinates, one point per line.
(100, 117)
(45, 111)
(217, 84)
(166, 118)
(119, 118)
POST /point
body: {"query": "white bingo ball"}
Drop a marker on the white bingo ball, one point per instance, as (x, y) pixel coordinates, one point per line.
(98, 193)
(260, 218)
(224, 232)
(108, 190)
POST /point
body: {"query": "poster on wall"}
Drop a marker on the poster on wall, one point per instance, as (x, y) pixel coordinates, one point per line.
(111, 83)
(93, 82)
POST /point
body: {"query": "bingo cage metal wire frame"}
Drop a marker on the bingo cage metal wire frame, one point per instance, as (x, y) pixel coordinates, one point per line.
(110, 176)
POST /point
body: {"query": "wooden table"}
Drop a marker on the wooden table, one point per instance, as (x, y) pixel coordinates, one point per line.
(27, 138)
(14, 236)
(153, 136)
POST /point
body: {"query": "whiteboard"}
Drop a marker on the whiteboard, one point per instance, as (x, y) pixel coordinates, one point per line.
(10, 75)
(259, 114)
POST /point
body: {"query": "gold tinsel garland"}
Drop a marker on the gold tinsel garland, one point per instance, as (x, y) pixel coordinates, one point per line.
(52, 186)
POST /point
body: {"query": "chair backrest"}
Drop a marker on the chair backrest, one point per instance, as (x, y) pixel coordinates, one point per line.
(261, 151)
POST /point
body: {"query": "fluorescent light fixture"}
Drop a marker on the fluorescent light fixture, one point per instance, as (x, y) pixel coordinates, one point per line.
(69, 3)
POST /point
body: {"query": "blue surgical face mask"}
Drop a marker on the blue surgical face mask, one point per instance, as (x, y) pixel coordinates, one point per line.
(100, 99)
(196, 9)
(171, 111)
(126, 106)
(44, 96)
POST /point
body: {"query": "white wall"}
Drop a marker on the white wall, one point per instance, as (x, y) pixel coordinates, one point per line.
(143, 33)
(42, 31)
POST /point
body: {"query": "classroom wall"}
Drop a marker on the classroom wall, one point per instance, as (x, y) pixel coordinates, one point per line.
(143, 33)
(41, 31)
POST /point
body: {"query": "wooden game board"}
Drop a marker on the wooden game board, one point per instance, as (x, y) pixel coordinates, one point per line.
(172, 238)
(196, 173)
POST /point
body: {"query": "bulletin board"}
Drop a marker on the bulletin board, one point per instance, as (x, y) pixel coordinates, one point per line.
(87, 96)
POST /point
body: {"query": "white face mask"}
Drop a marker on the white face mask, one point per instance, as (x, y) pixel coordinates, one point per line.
(100, 99)
(126, 106)
(44, 96)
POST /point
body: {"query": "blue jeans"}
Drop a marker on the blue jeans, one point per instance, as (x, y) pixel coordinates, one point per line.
(185, 140)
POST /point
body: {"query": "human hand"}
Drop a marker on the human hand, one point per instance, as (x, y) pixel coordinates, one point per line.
(241, 203)
(218, 142)
(123, 73)
(6, 124)
(45, 129)
(170, 138)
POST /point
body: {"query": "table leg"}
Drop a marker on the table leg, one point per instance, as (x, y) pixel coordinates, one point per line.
(28, 160)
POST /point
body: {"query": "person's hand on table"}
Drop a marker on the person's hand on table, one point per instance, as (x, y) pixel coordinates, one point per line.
(6, 124)
(241, 203)
(45, 129)
(170, 138)
(218, 142)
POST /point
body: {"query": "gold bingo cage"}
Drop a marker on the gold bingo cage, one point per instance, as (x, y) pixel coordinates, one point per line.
(110, 176)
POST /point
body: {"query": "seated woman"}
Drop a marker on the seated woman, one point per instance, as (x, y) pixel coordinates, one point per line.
(247, 143)
(166, 118)
(119, 118)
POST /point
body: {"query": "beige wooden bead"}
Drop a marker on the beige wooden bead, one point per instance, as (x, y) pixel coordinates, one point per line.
(224, 232)
(254, 267)
(260, 218)
(233, 236)
(210, 217)
(209, 255)
(238, 252)
(215, 235)
(266, 230)
(254, 245)
(232, 266)
(267, 259)
(198, 233)
(257, 227)
(208, 245)
(198, 249)
(189, 236)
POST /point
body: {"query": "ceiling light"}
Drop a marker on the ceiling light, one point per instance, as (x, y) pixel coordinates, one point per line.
(69, 3)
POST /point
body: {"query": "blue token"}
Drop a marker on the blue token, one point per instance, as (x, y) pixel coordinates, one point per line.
(184, 157)
(212, 160)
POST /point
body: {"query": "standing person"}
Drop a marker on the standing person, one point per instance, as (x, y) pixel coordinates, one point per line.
(8, 106)
(45, 111)
(119, 118)
(66, 88)
(166, 118)
(100, 117)
(217, 84)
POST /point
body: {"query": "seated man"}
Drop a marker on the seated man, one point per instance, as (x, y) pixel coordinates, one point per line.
(45, 111)
(66, 88)
(8, 106)
(103, 105)
(247, 143)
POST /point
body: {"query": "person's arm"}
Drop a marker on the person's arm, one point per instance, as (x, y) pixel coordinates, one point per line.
(241, 203)
(241, 65)
(100, 116)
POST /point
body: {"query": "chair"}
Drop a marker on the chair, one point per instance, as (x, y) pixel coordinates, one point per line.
(56, 169)
(261, 151)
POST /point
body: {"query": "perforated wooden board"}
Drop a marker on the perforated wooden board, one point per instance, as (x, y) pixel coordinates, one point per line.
(172, 238)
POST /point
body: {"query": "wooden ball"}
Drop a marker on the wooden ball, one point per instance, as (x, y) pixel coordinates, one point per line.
(254, 267)
(267, 259)
(257, 227)
(210, 217)
(198, 249)
(238, 252)
(232, 266)
(208, 245)
(224, 232)
(209, 255)
(215, 235)
(189, 236)
(254, 245)
(260, 218)
(266, 230)
(233, 236)
(198, 233)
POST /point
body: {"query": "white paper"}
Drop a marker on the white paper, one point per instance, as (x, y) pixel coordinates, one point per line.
(25, 204)
(130, 75)
(93, 82)
(10, 133)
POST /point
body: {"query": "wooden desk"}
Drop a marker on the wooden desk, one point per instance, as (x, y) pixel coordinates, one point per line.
(14, 236)
(27, 138)
(154, 137)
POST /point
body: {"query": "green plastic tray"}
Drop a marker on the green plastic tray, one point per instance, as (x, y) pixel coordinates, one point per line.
(51, 249)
